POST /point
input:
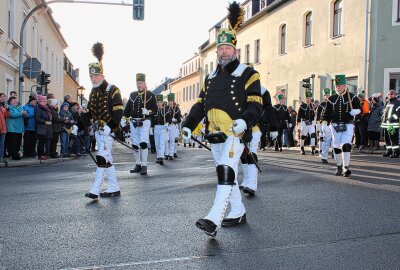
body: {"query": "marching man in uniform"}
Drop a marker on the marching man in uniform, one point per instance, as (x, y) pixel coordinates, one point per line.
(105, 107)
(391, 125)
(306, 119)
(140, 106)
(325, 132)
(282, 117)
(339, 113)
(173, 128)
(231, 101)
(160, 122)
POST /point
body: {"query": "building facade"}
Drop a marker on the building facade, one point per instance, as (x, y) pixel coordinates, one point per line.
(71, 81)
(384, 56)
(42, 40)
(187, 86)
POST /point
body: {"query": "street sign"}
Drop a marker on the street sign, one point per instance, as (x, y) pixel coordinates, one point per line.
(32, 68)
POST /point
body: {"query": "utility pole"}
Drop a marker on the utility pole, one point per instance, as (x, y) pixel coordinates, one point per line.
(21, 34)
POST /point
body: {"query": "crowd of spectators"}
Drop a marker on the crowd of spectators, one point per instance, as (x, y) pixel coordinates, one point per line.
(39, 129)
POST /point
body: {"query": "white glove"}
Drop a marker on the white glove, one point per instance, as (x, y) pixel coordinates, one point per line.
(151, 132)
(186, 133)
(106, 130)
(174, 120)
(123, 122)
(48, 123)
(290, 125)
(354, 112)
(145, 111)
(274, 135)
(74, 130)
(239, 126)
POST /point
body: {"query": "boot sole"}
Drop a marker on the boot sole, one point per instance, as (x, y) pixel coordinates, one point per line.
(242, 220)
(204, 229)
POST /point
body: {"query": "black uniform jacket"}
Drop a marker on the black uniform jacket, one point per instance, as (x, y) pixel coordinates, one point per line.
(136, 102)
(105, 104)
(226, 96)
(338, 108)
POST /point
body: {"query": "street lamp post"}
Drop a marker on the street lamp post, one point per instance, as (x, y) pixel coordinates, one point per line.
(80, 91)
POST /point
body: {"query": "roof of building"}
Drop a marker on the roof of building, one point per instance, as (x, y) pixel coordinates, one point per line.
(162, 87)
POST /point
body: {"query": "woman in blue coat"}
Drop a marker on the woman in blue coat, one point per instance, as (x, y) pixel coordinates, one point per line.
(15, 128)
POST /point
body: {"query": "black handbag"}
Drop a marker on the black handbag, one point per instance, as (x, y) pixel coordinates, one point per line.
(217, 137)
(341, 127)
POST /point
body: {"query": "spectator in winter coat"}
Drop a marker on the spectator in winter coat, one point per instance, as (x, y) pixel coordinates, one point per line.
(44, 130)
(374, 123)
(30, 128)
(15, 128)
(66, 115)
(4, 114)
(57, 126)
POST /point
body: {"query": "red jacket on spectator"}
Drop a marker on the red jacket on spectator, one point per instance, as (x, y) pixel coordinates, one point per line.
(3, 115)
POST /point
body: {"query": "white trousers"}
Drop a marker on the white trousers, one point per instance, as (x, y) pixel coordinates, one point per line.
(104, 144)
(339, 139)
(327, 135)
(160, 137)
(250, 171)
(140, 134)
(227, 193)
(173, 133)
(307, 129)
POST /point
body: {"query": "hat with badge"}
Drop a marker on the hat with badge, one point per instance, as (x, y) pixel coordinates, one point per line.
(96, 68)
(340, 79)
(141, 77)
(171, 97)
(227, 36)
(279, 96)
(308, 94)
(327, 91)
(159, 98)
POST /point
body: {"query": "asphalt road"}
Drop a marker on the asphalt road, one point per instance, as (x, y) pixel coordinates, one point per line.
(302, 216)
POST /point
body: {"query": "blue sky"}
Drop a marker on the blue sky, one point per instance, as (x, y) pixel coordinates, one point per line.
(170, 34)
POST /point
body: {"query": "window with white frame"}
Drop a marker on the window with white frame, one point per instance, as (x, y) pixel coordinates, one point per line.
(337, 18)
(263, 4)
(247, 53)
(194, 91)
(211, 66)
(184, 94)
(308, 29)
(11, 19)
(396, 5)
(282, 41)
(206, 70)
(47, 59)
(257, 51)
(198, 90)
(238, 54)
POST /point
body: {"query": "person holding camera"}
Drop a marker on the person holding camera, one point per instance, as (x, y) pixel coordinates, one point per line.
(140, 107)
(341, 108)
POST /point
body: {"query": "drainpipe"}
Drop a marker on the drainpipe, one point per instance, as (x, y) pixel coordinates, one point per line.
(366, 46)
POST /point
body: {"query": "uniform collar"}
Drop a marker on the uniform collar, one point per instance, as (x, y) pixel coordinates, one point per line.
(231, 67)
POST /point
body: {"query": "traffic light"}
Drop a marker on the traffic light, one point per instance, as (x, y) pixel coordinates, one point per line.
(138, 10)
(306, 83)
(44, 79)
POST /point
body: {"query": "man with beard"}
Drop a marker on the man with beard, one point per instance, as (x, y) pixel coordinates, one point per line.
(141, 105)
(339, 112)
(105, 107)
(231, 101)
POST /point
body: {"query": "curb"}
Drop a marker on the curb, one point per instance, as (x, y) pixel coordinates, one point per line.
(33, 162)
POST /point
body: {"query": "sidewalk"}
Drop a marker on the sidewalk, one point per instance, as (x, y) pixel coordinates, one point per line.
(32, 162)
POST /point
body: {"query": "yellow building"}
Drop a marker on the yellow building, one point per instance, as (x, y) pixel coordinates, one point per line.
(71, 80)
(187, 86)
(42, 40)
(291, 40)
(288, 41)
